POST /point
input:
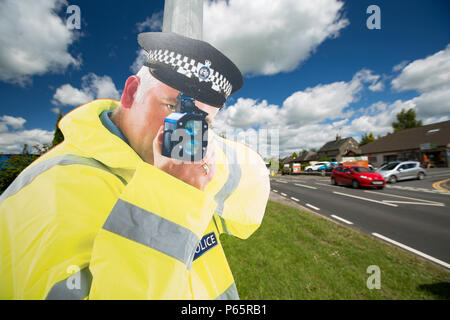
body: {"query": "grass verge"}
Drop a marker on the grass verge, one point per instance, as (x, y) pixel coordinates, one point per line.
(298, 255)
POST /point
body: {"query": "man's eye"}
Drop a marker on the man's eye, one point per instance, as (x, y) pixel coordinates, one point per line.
(171, 107)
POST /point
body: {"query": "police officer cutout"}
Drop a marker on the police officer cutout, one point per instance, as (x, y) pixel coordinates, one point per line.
(105, 215)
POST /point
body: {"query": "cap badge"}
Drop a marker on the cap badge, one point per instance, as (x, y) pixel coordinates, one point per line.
(204, 71)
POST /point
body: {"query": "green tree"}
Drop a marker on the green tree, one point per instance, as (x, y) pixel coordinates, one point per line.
(406, 120)
(294, 155)
(367, 138)
(11, 168)
(41, 149)
(58, 136)
(280, 164)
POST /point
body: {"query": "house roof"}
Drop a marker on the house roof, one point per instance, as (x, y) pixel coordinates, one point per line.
(311, 156)
(306, 156)
(286, 160)
(334, 145)
(435, 133)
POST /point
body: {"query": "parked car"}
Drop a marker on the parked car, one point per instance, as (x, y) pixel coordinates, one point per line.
(357, 176)
(332, 165)
(396, 171)
(285, 170)
(316, 166)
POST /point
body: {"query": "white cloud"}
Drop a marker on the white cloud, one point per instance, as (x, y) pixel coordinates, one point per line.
(33, 40)
(427, 74)
(431, 78)
(14, 122)
(93, 87)
(56, 110)
(139, 61)
(435, 119)
(13, 136)
(153, 23)
(319, 103)
(377, 118)
(246, 113)
(400, 66)
(12, 142)
(433, 103)
(268, 37)
(326, 101)
(377, 86)
(70, 96)
(102, 87)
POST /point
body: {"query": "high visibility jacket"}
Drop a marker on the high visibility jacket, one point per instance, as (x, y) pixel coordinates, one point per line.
(90, 220)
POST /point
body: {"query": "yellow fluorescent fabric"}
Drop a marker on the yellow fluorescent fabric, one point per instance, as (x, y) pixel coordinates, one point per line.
(210, 274)
(93, 204)
(48, 230)
(244, 207)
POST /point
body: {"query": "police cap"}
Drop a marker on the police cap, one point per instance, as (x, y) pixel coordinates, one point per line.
(193, 67)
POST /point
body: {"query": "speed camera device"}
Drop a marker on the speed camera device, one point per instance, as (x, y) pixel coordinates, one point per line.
(185, 131)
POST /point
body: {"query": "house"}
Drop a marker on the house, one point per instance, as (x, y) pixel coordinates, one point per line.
(286, 160)
(338, 148)
(429, 143)
(306, 157)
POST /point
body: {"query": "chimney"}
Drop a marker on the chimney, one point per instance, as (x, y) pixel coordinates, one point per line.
(338, 137)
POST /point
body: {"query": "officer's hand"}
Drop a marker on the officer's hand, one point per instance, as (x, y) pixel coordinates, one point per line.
(192, 173)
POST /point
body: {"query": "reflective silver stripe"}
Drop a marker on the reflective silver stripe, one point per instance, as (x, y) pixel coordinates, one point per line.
(27, 176)
(67, 289)
(224, 226)
(230, 294)
(153, 231)
(234, 176)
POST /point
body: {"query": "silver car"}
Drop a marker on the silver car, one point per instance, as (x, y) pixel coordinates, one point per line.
(396, 171)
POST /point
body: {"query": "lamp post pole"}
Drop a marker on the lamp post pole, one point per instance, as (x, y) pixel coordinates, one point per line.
(184, 17)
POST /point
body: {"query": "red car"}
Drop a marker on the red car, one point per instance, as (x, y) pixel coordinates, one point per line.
(357, 177)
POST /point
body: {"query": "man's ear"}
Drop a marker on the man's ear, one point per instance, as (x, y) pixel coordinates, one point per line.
(129, 91)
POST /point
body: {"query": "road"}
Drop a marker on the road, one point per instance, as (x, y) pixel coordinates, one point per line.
(408, 214)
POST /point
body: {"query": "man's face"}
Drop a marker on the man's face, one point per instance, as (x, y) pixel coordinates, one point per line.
(147, 114)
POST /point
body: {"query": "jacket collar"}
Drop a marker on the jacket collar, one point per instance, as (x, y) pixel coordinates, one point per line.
(83, 129)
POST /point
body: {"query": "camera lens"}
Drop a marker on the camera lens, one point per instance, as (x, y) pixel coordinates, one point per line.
(193, 127)
(192, 147)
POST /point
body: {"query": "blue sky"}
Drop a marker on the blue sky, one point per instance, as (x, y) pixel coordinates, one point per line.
(312, 68)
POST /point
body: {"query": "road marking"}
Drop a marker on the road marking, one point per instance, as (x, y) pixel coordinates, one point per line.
(419, 189)
(311, 206)
(419, 253)
(362, 198)
(283, 194)
(419, 203)
(302, 185)
(343, 220)
(422, 201)
(282, 181)
(274, 190)
(438, 175)
(295, 199)
(437, 185)
(323, 184)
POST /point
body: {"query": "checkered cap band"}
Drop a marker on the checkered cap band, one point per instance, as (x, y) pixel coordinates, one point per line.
(189, 67)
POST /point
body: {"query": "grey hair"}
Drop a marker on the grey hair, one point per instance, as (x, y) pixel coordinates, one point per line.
(147, 82)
